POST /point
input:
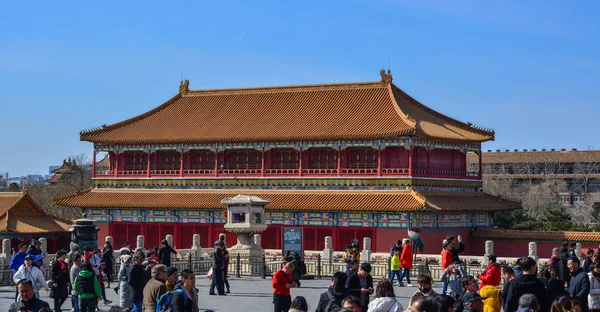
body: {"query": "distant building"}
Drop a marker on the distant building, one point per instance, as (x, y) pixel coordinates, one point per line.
(67, 167)
(579, 169)
(51, 169)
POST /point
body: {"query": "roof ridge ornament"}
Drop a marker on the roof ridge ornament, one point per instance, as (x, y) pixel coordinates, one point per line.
(386, 78)
(184, 86)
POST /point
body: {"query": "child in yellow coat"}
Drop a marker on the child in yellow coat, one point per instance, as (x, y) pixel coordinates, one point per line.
(395, 267)
(492, 303)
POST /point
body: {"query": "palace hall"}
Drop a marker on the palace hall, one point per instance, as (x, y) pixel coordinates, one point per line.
(346, 160)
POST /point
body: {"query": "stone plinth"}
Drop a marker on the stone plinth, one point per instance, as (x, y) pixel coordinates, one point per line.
(140, 242)
(5, 256)
(257, 240)
(196, 245)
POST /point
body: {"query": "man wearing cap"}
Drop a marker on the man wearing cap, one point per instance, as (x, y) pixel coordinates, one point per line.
(352, 267)
(397, 247)
(473, 302)
(19, 258)
(35, 248)
(172, 278)
(217, 269)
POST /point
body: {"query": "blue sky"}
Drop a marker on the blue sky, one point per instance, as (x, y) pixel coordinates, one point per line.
(528, 69)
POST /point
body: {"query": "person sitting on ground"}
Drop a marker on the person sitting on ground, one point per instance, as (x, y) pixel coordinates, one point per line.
(88, 289)
(385, 299)
(299, 304)
(185, 297)
(28, 302)
(425, 282)
(453, 277)
(360, 284)
(154, 288)
(336, 292)
(492, 274)
(528, 303)
(493, 302)
(469, 284)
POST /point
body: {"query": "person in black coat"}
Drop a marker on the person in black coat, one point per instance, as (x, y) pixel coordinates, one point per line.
(564, 257)
(35, 248)
(108, 258)
(456, 248)
(337, 291)
(164, 253)
(360, 285)
(579, 286)
(135, 279)
(60, 279)
(526, 283)
(217, 269)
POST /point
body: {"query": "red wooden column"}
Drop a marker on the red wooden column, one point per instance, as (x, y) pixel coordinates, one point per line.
(300, 161)
(429, 162)
(410, 160)
(181, 155)
(117, 164)
(94, 165)
(480, 164)
(379, 161)
(262, 163)
(148, 164)
(216, 162)
(339, 162)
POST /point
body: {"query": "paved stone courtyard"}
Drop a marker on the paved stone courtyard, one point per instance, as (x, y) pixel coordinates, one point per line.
(247, 294)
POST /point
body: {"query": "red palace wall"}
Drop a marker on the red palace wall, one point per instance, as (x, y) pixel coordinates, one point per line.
(520, 249)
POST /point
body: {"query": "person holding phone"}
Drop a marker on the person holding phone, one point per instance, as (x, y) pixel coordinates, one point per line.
(360, 284)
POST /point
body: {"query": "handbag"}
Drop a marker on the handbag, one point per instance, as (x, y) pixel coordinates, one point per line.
(210, 273)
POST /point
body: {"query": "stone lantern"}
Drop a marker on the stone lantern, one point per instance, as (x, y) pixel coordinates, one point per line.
(246, 217)
(84, 233)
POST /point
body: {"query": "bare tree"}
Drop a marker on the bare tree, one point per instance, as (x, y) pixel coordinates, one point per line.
(77, 179)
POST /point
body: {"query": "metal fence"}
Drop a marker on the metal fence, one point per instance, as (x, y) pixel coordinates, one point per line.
(264, 267)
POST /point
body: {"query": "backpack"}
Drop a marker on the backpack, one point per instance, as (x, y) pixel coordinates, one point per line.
(301, 267)
(164, 302)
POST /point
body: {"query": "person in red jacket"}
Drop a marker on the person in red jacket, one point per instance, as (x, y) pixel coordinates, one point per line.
(282, 282)
(492, 274)
(406, 262)
(446, 260)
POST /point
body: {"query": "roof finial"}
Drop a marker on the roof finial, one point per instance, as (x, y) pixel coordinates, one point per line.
(386, 78)
(184, 86)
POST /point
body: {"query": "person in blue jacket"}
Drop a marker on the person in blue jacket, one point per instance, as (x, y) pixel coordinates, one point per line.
(18, 258)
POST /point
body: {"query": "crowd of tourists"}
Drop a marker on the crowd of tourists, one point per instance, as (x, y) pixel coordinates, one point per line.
(148, 282)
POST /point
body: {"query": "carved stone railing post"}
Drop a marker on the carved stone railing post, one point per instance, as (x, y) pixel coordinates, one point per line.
(196, 246)
(140, 242)
(365, 254)
(533, 251)
(489, 248)
(257, 240)
(328, 250)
